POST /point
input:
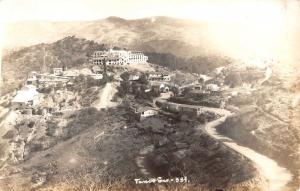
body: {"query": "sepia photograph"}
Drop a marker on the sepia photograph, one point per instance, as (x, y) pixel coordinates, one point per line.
(150, 95)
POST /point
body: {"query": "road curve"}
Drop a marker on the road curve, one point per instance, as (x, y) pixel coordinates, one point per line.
(277, 176)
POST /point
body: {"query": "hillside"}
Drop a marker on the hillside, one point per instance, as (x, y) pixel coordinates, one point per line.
(69, 52)
(180, 37)
(74, 52)
(268, 122)
(196, 64)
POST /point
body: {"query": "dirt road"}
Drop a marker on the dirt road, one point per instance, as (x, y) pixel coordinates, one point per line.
(277, 176)
(105, 96)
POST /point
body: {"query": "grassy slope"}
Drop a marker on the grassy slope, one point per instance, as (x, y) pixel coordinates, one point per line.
(69, 52)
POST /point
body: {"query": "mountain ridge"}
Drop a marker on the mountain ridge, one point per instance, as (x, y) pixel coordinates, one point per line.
(116, 31)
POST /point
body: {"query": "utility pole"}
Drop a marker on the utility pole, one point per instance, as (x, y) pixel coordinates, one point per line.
(43, 69)
(105, 70)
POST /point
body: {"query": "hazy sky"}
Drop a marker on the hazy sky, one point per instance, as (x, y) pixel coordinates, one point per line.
(209, 10)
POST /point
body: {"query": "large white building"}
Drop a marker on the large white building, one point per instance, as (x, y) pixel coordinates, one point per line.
(118, 57)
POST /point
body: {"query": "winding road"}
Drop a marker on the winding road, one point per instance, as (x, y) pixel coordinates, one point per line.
(278, 177)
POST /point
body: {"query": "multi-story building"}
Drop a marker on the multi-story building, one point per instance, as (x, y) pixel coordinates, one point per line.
(137, 58)
(101, 57)
(159, 77)
(118, 57)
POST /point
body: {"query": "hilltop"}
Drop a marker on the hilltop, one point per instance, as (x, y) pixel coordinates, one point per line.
(184, 38)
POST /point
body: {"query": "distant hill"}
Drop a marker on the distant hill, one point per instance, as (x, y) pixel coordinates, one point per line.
(181, 37)
(175, 43)
(184, 38)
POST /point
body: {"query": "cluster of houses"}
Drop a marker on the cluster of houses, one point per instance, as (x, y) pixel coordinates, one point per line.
(29, 96)
(59, 76)
(201, 91)
(152, 77)
(205, 87)
(157, 83)
(118, 57)
(141, 113)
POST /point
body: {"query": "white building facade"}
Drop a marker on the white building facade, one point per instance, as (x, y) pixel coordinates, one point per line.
(118, 57)
(137, 58)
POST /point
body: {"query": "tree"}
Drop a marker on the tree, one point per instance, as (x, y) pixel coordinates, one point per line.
(123, 89)
(201, 80)
(175, 90)
(233, 79)
(143, 79)
(125, 76)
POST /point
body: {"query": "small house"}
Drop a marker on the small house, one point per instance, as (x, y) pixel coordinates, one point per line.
(27, 96)
(199, 94)
(97, 76)
(32, 79)
(213, 88)
(171, 107)
(134, 77)
(96, 69)
(58, 71)
(182, 109)
(159, 77)
(143, 112)
(160, 88)
(191, 110)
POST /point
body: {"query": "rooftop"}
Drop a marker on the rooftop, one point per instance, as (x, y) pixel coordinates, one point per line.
(25, 95)
(142, 107)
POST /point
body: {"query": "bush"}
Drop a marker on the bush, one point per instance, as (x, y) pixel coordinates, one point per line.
(233, 79)
(9, 134)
